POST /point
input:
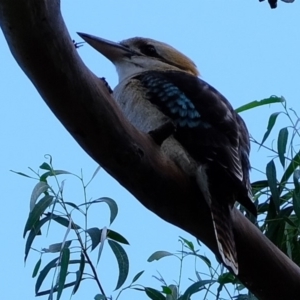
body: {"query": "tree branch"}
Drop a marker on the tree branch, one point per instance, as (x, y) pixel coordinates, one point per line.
(40, 43)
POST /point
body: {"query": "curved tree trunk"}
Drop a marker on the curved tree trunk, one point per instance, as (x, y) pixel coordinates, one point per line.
(36, 33)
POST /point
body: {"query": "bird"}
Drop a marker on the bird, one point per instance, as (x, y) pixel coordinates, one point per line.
(161, 93)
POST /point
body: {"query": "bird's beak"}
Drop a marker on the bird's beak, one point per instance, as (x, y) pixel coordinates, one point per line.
(111, 50)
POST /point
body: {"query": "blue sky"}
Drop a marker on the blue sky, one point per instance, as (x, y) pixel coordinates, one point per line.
(243, 48)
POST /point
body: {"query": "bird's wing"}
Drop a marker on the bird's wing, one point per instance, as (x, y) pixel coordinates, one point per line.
(208, 127)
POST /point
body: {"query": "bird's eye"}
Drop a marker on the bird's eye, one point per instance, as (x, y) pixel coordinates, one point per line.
(148, 50)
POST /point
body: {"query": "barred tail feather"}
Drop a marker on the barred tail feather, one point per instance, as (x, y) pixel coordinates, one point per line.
(223, 230)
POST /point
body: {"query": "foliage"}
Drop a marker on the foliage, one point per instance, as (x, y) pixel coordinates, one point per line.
(277, 196)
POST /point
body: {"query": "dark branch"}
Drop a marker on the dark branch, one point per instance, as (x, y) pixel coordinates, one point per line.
(36, 33)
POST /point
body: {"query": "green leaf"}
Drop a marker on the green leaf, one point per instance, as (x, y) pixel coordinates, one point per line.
(174, 292)
(195, 288)
(45, 166)
(53, 173)
(272, 181)
(166, 290)
(253, 104)
(64, 221)
(33, 233)
(79, 274)
(187, 243)
(137, 276)
(96, 172)
(122, 260)
(205, 259)
(44, 273)
(52, 264)
(276, 227)
(113, 235)
(102, 240)
(22, 174)
(36, 268)
(294, 164)
(40, 188)
(112, 206)
(53, 290)
(290, 222)
(100, 297)
(36, 213)
(227, 278)
(95, 235)
(271, 123)
(73, 205)
(154, 294)
(259, 185)
(65, 257)
(158, 255)
(57, 247)
(281, 144)
(296, 193)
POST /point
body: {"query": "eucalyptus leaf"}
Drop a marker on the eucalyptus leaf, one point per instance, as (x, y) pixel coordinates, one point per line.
(253, 104)
(157, 255)
(281, 144)
(36, 213)
(122, 260)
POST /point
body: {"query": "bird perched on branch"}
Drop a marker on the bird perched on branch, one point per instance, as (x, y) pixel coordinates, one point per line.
(160, 92)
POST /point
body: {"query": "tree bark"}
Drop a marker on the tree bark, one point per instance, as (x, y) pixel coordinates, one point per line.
(40, 43)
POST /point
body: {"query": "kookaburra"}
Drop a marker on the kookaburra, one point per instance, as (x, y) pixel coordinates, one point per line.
(158, 86)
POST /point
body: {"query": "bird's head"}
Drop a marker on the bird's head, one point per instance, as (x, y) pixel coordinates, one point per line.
(136, 55)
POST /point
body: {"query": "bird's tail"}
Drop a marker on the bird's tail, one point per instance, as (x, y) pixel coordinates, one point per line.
(221, 216)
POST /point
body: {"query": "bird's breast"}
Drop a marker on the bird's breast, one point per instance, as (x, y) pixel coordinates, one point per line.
(133, 99)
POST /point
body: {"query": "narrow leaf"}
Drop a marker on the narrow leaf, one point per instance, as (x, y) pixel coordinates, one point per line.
(271, 123)
(281, 144)
(53, 173)
(205, 259)
(53, 290)
(137, 276)
(39, 189)
(102, 240)
(73, 205)
(44, 273)
(100, 297)
(33, 233)
(36, 213)
(272, 181)
(57, 247)
(36, 268)
(95, 235)
(296, 193)
(22, 174)
(195, 288)
(122, 260)
(65, 257)
(96, 172)
(294, 164)
(79, 274)
(188, 244)
(158, 255)
(113, 235)
(112, 206)
(257, 186)
(253, 104)
(154, 294)
(64, 221)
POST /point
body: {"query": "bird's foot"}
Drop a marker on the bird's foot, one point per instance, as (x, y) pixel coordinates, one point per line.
(106, 84)
(160, 134)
